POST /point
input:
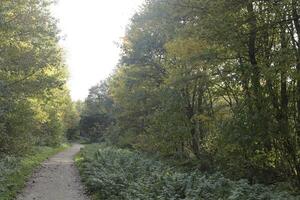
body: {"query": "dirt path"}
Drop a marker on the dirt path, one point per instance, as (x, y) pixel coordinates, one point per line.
(57, 179)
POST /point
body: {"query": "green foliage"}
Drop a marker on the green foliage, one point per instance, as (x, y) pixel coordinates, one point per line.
(96, 113)
(214, 81)
(35, 106)
(34, 100)
(15, 170)
(72, 120)
(112, 173)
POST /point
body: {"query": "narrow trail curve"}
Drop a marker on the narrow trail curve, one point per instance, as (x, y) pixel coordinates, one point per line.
(57, 179)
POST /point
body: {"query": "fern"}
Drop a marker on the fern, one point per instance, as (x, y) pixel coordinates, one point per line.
(112, 173)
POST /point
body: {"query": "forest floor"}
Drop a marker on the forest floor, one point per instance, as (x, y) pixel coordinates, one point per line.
(57, 179)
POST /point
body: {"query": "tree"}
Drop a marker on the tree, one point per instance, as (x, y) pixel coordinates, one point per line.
(33, 76)
(96, 115)
(213, 80)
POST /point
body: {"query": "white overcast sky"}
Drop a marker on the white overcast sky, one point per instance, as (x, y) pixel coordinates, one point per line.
(92, 29)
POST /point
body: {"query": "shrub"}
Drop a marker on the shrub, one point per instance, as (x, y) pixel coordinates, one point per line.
(112, 173)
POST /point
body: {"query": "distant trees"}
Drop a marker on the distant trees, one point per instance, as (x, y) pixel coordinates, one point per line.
(96, 113)
(34, 102)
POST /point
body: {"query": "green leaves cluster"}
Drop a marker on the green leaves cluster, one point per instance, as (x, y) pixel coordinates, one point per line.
(96, 113)
(34, 100)
(214, 81)
(112, 173)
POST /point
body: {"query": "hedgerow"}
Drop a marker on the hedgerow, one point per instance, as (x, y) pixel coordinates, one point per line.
(111, 173)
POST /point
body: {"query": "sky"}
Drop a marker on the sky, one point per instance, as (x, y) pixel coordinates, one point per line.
(92, 30)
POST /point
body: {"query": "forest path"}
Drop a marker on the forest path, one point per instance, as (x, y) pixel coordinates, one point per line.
(57, 179)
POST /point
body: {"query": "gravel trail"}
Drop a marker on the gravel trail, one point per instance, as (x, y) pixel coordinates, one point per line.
(57, 179)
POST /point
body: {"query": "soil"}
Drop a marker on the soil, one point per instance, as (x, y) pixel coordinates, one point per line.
(57, 179)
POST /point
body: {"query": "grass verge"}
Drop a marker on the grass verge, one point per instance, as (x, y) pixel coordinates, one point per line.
(14, 171)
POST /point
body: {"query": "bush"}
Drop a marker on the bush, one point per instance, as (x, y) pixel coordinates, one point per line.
(111, 173)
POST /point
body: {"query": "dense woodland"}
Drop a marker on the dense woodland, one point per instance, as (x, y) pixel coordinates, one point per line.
(35, 106)
(214, 84)
(36, 110)
(202, 87)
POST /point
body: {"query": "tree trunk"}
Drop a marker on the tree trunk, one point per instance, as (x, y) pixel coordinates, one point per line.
(255, 77)
(297, 136)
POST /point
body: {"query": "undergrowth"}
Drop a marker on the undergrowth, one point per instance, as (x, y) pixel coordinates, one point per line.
(15, 170)
(118, 174)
